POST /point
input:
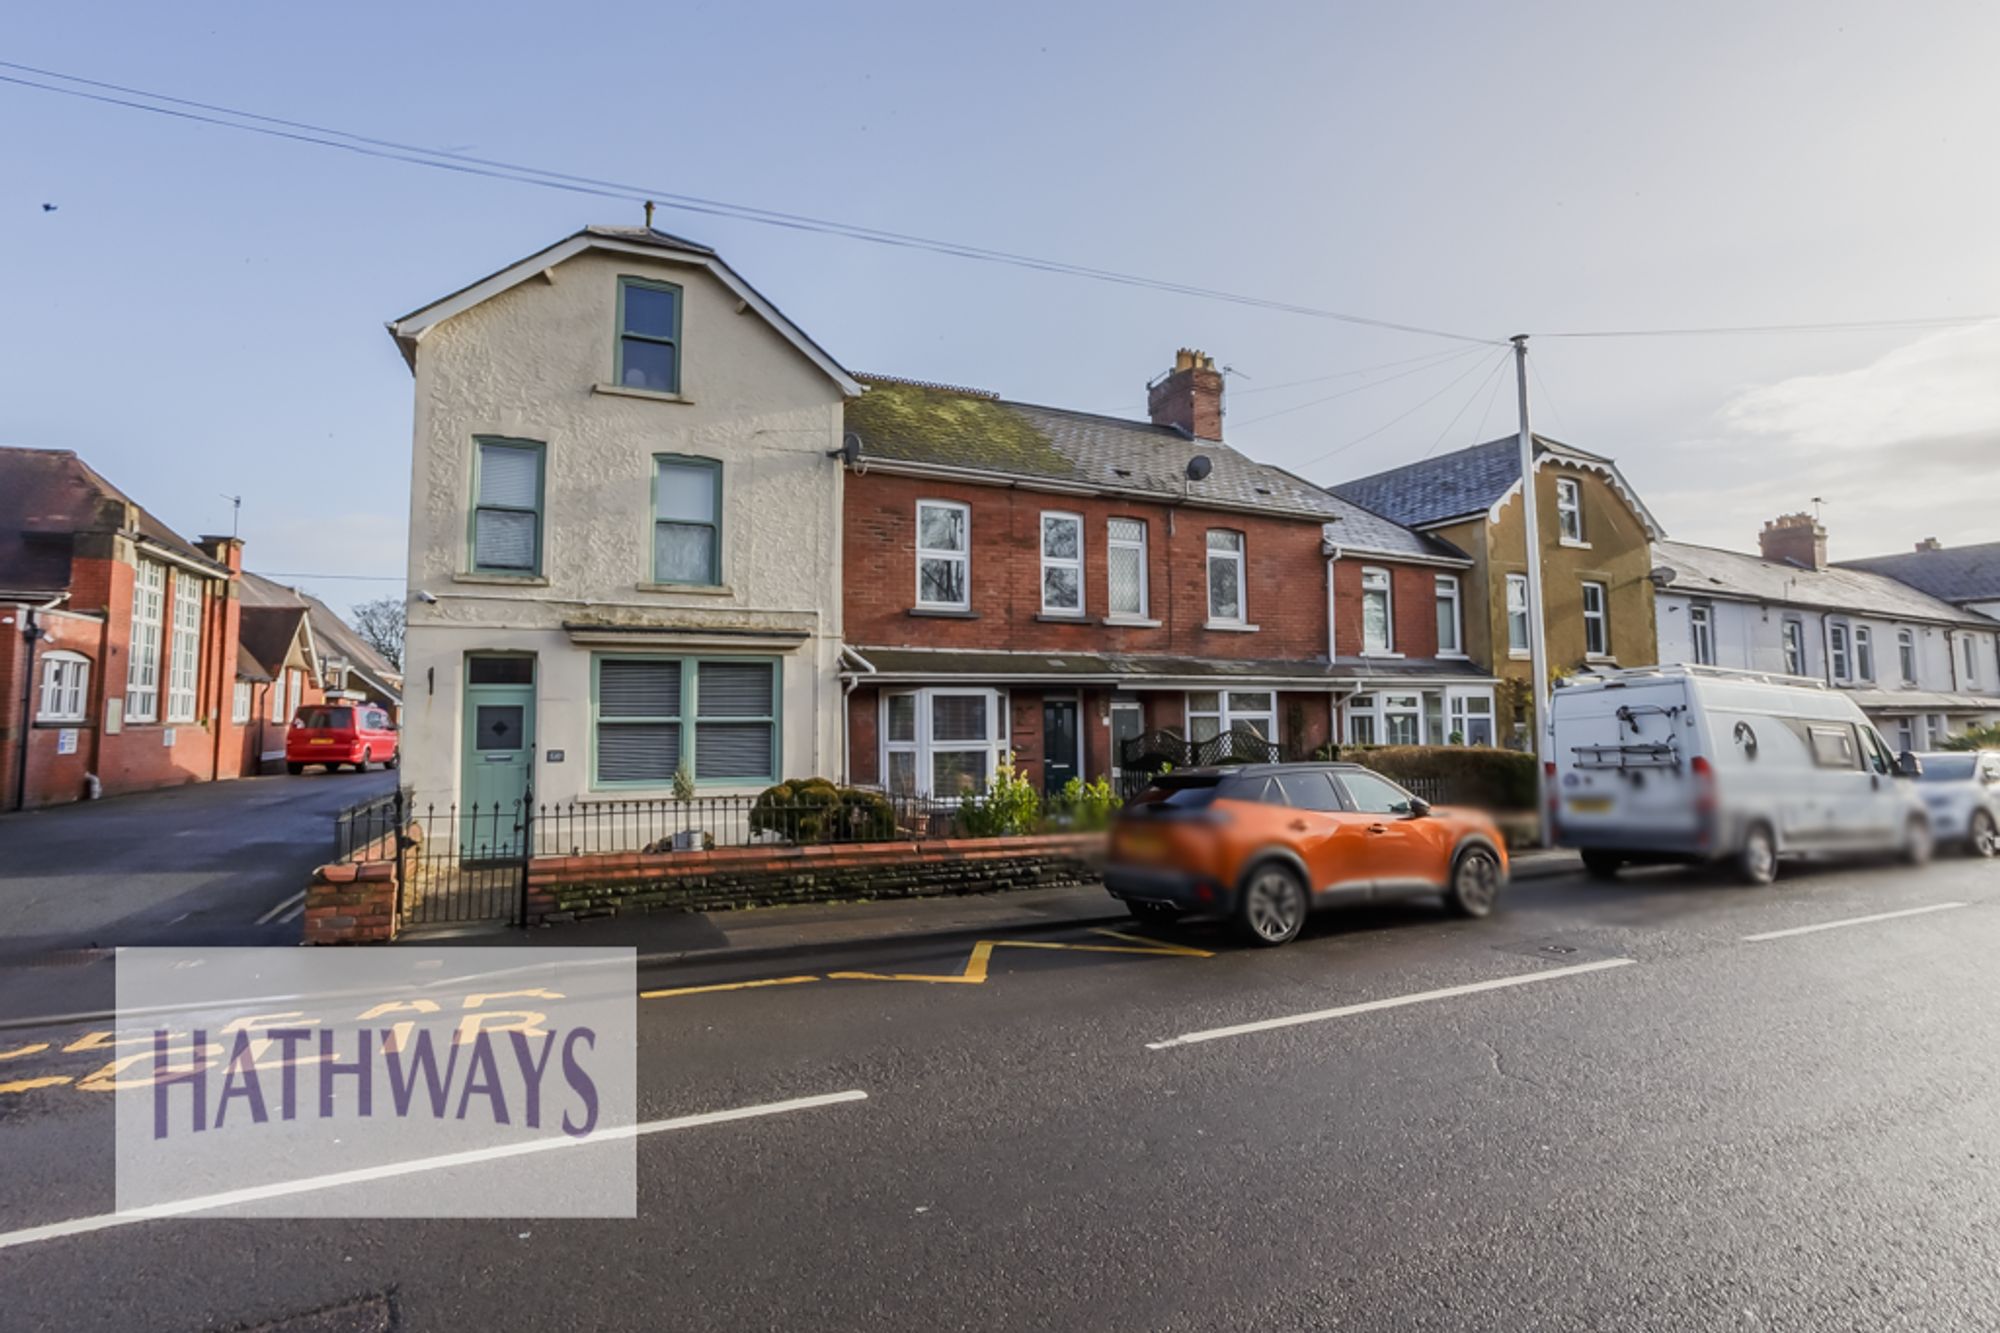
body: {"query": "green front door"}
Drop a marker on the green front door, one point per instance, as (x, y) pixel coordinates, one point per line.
(499, 765)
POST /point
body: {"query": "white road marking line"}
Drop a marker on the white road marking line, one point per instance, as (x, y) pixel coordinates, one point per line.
(182, 1207)
(296, 900)
(1396, 1002)
(1852, 921)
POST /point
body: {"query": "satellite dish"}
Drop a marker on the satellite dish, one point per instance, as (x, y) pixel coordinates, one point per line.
(849, 452)
(1199, 467)
(1662, 575)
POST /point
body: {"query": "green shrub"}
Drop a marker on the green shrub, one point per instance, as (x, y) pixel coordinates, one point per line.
(1471, 774)
(1087, 806)
(1009, 805)
(814, 810)
(1974, 738)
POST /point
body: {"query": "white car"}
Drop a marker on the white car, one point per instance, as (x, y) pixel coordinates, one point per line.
(1693, 763)
(1962, 792)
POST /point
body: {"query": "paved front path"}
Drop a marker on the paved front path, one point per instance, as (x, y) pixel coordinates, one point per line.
(192, 865)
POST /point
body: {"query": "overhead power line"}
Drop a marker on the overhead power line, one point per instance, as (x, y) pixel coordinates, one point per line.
(249, 122)
(1430, 363)
(1422, 403)
(1847, 326)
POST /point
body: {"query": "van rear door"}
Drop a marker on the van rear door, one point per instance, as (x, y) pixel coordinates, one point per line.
(1623, 759)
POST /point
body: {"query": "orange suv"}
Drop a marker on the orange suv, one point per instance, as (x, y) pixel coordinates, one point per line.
(1266, 843)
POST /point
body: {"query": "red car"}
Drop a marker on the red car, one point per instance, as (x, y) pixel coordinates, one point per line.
(336, 734)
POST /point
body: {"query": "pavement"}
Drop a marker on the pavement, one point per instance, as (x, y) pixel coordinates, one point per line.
(204, 864)
(1662, 1103)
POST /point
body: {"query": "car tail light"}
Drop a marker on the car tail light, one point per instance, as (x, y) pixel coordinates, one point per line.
(1555, 801)
(1704, 798)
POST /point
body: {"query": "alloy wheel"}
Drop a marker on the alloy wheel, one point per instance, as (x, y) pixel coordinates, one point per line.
(1985, 835)
(1274, 905)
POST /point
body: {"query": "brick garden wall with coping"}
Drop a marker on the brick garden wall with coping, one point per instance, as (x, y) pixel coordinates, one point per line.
(570, 888)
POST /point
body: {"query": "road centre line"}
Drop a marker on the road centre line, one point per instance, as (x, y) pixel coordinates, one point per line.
(281, 1189)
(296, 900)
(1851, 921)
(1394, 1002)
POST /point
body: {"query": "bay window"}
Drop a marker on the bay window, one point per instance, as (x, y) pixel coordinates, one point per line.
(1213, 713)
(1377, 630)
(1471, 718)
(944, 555)
(942, 743)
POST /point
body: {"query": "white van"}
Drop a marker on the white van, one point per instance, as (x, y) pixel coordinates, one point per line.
(1692, 763)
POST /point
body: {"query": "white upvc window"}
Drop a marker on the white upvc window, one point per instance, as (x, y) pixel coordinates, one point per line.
(942, 743)
(1968, 650)
(1378, 631)
(1517, 614)
(944, 555)
(1794, 635)
(184, 666)
(1225, 577)
(239, 702)
(277, 697)
(1906, 734)
(1212, 713)
(1701, 634)
(1864, 653)
(142, 676)
(1451, 641)
(1471, 717)
(1125, 566)
(1402, 719)
(1062, 564)
(65, 681)
(1569, 510)
(1906, 656)
(1596, 621)
(1837, 647)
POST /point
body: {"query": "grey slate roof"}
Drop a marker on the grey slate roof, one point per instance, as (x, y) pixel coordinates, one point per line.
(1705, 569)
(1952, 573)
(964, 428)
(1468, 482)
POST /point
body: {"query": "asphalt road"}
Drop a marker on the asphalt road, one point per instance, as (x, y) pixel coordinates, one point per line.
(1800, 1131)
(194, 865)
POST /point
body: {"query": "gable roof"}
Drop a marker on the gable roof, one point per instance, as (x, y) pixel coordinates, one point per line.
(268, 634)
(1700, 570)
(47, 496)
(1470, 482)
(411, 328)
(1952, 573)
(909, 425)
(331, 636)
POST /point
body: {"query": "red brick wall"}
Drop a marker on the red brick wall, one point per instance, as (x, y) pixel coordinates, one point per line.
(1284, 574)
(1412, 605)
(864, 738)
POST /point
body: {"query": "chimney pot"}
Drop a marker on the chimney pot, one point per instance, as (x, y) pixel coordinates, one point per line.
(1188, 397)
(1930, 544)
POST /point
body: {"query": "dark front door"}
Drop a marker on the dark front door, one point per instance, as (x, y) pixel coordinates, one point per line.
(1059, 737)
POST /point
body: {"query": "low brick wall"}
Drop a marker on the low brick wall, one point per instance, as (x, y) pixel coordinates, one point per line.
(566, 888)
(353, 902)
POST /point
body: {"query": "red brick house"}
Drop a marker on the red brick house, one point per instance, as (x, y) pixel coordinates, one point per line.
(1053, 583)
(118, 655)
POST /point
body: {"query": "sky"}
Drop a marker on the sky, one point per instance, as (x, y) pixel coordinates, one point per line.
(201, 314)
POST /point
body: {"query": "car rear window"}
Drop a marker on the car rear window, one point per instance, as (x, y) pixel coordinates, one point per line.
(1948, 767)
(328, 719)
(1190, 791)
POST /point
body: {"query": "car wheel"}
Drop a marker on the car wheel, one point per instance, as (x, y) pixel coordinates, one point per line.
(1158, 914)
(1917, 842)
(1984, 836)
(1602, 865)
(295, 769)
(1475, 883)
(1756, 860)
(395, 760)
(1272, 907)
(366, 756)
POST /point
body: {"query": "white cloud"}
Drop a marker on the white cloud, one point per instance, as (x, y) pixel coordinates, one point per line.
(1943, 385)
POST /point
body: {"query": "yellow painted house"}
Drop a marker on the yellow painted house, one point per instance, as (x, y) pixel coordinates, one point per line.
(1596, 539)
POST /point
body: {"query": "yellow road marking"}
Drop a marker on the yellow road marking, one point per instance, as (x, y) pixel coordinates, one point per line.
(982, 954)
(727, 985)
(26, 1084)
(20, 1051)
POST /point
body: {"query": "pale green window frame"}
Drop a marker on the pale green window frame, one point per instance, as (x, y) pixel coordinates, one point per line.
(689, 719)
(480, 444)
(714, 468)
(622, 333)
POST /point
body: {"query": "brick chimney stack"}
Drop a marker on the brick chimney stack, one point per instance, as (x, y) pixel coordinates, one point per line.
(223, 551)
(1797, 538)
(1930, 544)
(1188, 397)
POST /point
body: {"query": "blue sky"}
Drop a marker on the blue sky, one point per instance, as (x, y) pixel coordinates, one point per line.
(202, 314)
